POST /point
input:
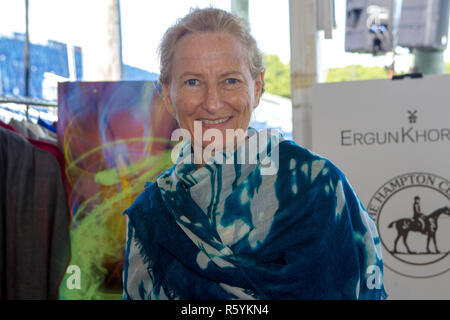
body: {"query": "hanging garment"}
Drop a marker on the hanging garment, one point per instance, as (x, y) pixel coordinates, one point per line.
(45, 124)
(227, 231)
(43, 133)
(34, 221)
(34, 131)
(59, 156)
(21, 126)
(51, 148)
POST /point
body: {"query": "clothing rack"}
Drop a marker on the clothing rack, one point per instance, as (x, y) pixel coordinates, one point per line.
(28, 101)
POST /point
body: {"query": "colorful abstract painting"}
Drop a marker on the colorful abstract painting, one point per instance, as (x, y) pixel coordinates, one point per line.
(115, 137)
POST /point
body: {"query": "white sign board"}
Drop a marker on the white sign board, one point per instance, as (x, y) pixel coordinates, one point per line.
(391, 138)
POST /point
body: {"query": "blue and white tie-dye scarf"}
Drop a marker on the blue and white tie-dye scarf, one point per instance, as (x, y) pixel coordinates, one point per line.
(233, 231)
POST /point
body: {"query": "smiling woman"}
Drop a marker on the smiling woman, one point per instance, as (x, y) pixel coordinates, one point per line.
(211, 72)
(211, 83)
(234, 229)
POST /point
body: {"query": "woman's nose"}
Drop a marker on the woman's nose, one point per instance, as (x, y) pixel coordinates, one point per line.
(212, 101)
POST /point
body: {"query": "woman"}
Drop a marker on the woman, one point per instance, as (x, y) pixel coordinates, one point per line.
(235, 221)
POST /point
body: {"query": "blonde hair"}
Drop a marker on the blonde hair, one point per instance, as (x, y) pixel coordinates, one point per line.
(208, 20)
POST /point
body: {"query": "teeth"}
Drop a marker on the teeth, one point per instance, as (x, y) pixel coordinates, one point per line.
(215, 121)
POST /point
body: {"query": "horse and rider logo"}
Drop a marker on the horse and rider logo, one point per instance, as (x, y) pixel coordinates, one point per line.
(425, 224)
(412, 213)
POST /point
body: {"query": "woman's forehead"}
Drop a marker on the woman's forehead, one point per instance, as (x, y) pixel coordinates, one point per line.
(208, 48)
(219, 39)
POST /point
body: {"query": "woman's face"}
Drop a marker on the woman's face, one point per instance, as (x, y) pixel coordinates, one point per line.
(211, 83)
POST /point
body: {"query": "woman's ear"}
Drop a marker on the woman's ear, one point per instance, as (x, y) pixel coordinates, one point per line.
(168, 101)
(259, 85)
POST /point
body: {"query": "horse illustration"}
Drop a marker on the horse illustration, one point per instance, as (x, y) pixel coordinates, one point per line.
(405, 225)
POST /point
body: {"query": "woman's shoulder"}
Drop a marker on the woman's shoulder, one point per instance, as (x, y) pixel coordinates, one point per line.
(150, 200)
(316, 168)
(292, 152)
(144, 201)
(290, 147)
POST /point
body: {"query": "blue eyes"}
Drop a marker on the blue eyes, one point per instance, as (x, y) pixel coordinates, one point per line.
(231, 81)
(192, 82)
(196, 82)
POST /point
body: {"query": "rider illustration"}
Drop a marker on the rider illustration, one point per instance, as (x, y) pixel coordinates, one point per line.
(419, 217)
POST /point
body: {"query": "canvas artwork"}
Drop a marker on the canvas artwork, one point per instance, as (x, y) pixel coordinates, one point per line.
(115, 137)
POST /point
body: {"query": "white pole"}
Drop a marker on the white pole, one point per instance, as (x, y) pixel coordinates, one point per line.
(71, 61)
(101, 51)
(302, 20)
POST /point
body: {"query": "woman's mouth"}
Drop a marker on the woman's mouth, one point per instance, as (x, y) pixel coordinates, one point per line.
(215, 121)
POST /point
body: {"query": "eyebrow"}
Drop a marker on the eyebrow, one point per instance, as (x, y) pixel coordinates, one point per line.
(184, 74)
(199, 75)
(232, 73)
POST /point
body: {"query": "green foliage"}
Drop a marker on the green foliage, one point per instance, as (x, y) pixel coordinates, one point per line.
(277, 76)
(353, 73)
